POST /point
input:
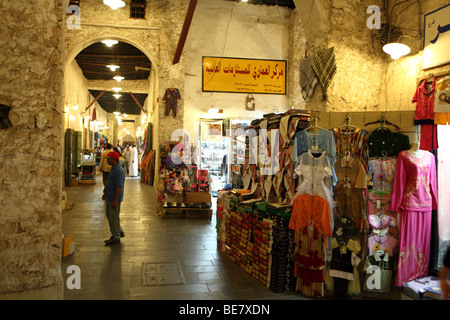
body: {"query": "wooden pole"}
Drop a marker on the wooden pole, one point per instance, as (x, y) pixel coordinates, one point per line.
(98, 97)
(184, 31)
(138, 103)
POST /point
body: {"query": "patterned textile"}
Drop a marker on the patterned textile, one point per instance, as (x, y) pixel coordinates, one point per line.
(353, 140)
(324, 66)
(308, 78)
(310, 262)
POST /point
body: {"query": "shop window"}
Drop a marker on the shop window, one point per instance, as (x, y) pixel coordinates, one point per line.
(443, 176)
(137, 9)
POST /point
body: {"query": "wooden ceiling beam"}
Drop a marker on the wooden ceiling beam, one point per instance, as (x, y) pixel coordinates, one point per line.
(98, 97)
(140, 106)
(184, 31)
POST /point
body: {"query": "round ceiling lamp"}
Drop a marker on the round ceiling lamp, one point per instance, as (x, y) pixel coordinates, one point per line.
(396, 49)
(114, 4)
(113, 67)
(110, 43)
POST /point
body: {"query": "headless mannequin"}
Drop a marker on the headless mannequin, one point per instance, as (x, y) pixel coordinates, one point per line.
(414, 149)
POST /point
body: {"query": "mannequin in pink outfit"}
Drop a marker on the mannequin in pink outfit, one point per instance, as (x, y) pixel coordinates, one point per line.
(414, 196)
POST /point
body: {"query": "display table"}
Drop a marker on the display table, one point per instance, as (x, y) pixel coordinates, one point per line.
(192, 203)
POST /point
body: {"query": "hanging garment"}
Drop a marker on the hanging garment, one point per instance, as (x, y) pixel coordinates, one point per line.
(428, 137)
(308, 78)
(379, 268)
(385, 143)
(342, 268)
(309, 266)
(307, 208)
(133, 164)
(381, 223)
(339, 285)
(353, 140)
(324, 66)
(316, 175)
(425, 97)
(171, 98)
(350, 192)
(386, 243)
(323, 139)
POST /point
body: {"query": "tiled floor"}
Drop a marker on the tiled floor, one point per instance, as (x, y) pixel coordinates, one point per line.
(116, 272)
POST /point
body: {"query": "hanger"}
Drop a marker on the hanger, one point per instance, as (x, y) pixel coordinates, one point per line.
(383, 122)
(347, 123)
(314, 125)
(430, 79)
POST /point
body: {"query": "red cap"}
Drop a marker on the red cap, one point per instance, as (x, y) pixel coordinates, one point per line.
(113, 155)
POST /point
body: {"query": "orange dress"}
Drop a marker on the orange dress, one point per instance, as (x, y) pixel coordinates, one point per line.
(309, 209)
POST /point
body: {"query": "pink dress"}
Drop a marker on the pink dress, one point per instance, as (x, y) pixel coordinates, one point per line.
(415, 196)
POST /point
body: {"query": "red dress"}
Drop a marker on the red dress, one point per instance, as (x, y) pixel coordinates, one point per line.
(424, 115)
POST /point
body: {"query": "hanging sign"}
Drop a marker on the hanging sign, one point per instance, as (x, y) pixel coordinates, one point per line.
(436, 42)
(244, 75)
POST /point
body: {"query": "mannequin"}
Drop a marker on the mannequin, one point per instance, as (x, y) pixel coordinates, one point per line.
(415, 145)
(414, 196)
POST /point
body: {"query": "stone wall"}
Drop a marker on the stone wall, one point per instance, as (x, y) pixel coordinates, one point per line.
(238, 30)
(31, 80)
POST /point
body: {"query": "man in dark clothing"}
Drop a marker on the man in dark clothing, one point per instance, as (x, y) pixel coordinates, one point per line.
(443, 276)
(114, 190)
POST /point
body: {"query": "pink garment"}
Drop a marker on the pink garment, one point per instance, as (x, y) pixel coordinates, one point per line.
(415, 187)
(386, 243)
(415, 196)
(414, 256)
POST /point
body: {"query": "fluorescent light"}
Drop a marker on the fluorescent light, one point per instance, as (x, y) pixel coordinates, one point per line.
(114, 4)
(117, 89)
(118, 78)
(113, 67)
(213, 110)
(110, 43)
(117, 96)
(396, 50)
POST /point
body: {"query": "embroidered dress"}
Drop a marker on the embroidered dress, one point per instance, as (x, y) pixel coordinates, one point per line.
(309, 264)
(415, 196)
(323, 139)
(316, 176)
(309, 209)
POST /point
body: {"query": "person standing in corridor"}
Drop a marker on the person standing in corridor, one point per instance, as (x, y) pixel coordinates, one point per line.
(104, 166)
(113, 195)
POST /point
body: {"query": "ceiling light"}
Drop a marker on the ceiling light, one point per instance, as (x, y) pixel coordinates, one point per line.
(114, 4)
(117, 96)
(244, 0)
(110, 43)
(213, 110)
(396, 50)
(116, 113)
(117, 89)
(118, 78)
(113, 67)
(125, 115)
